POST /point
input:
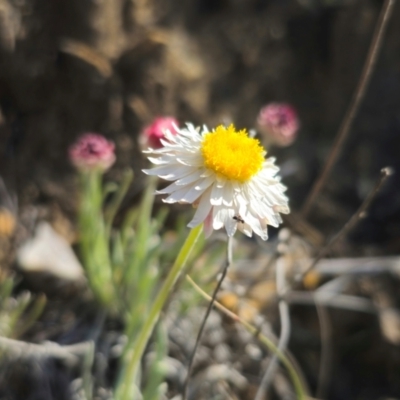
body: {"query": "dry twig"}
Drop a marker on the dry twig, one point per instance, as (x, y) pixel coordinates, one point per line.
(353, 221)
(210, 305)
(344, 129)
(285, 329)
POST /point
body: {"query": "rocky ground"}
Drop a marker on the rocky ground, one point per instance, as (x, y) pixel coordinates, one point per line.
(110, 67)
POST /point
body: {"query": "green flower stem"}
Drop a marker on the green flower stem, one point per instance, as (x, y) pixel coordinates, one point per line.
(298, 385)
(124, 389)
(94, 243)
(143, 232)
(118, 197)
(137, 276)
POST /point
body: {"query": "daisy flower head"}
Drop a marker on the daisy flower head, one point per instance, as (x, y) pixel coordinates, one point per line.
(225, 175)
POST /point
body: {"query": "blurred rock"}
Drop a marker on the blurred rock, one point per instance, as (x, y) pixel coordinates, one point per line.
(10, 24)
(48, 252)
(389, 319)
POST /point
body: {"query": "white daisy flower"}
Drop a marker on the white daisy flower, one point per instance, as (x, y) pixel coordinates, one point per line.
(225, 175)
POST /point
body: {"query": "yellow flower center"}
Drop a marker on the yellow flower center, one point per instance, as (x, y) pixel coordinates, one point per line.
(232, 154)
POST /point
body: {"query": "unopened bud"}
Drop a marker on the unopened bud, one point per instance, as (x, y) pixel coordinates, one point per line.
(278, 123)
(92, 152)
(152, 134)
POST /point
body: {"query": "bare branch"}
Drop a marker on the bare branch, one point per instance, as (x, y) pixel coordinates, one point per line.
(203, 324)
(353, 221)
(348, 119)
(285, 329)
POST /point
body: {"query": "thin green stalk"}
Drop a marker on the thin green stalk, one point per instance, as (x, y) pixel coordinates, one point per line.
(94, 243)
(299, 387)
(124, 388)
(143, 233)
(115, 203)
(203, 324)
(138, 278)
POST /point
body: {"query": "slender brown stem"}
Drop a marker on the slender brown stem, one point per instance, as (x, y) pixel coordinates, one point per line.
(285, 329)
(269, 341)
(326, 354)
(358, 96)
(353, 221)
(203, 324)
(326, 299)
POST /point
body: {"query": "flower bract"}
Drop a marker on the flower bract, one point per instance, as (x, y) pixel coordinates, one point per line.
(225, 175)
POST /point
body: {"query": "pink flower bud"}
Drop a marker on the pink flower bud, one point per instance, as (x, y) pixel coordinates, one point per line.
(152, 134)
(279, 123)
(92, 151)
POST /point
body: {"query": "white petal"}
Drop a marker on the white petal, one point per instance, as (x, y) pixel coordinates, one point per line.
(192, 160)
(228, 194)
(163, 172)
(218, 218)
(207, 172)
(217, 195)
(255, 224)
(193, 194)
(149, 172)
(246, 229)
(177, 195)
(192, 177)
(231, 226)
(178, 173)
(282, 208)
(208, 227)
(185, 194)
(221, 215)
(204, 183)
(158, 160)
(203, 209)
(173, 187)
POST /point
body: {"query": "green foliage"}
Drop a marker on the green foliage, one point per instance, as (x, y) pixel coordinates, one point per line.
(123, 266)
(17, 314)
